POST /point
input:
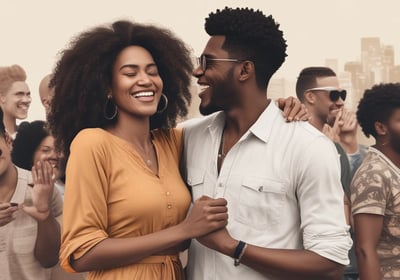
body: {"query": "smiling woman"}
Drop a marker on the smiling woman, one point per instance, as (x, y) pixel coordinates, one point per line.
(15, 96)
(112, 120)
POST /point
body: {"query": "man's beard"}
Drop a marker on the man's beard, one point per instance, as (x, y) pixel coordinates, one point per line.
(222, 91)
(395, 142)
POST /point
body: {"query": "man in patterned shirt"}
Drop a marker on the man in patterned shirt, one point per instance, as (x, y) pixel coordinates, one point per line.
(375, 189)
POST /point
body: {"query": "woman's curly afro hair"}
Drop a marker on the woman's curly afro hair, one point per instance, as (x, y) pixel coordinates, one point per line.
(83, 75)
(28, 139)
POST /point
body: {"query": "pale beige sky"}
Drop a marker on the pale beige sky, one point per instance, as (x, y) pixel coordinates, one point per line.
(33, 32)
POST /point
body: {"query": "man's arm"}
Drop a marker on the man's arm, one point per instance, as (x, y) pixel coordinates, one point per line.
(281, 263)
(368, 229)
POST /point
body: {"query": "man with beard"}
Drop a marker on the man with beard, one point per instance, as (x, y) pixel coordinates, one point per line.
(375, 189)
(318, 89)
(281, 180)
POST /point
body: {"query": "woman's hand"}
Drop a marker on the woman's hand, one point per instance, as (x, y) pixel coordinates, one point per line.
(42, 191)
(206, 215)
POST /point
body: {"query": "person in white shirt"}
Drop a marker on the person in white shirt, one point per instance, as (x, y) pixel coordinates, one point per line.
(318, 88)
(30, 212)
(281, 180)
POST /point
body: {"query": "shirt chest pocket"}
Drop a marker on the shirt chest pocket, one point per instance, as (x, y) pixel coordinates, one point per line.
(261, 202)
(195, 180)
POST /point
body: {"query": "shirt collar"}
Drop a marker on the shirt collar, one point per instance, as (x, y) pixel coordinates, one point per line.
(263, 125)
(261, 128)
(217, 122)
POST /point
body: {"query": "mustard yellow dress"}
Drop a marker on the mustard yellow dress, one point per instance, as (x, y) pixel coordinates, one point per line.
(111, 193)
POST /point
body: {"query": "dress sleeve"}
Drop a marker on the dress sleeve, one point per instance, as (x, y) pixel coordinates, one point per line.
(321, 201)
(85, 200)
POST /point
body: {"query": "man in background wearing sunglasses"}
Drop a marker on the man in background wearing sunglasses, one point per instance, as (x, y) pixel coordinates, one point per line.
(318, 89)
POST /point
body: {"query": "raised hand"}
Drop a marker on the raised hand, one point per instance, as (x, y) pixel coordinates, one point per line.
(349, 122)
(42, 191)
(333, 131)
(206, 215)
(348, 131)
(7, 211)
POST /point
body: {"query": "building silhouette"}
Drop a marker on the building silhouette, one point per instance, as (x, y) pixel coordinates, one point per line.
(377, 65)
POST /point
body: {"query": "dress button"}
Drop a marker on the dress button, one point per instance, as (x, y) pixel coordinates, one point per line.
(167, 193)
(169, 206)
(220, 185)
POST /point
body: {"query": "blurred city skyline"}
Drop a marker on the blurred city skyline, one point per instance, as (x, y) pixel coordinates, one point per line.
(376, 64)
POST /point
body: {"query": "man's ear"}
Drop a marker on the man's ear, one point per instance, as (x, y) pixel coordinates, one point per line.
(2, 98)
(309, 97)
(380, 128)
(246, 70)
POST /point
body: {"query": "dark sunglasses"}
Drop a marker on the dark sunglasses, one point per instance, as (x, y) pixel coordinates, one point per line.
(202, 61)
(334, 93)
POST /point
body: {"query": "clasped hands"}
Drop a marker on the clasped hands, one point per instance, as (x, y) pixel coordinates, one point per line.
(207, 220)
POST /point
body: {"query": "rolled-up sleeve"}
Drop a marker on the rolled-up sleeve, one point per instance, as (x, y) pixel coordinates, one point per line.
(321, 202)
(85, 209)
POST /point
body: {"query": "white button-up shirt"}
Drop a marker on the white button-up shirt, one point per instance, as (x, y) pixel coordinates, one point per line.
(282, 184)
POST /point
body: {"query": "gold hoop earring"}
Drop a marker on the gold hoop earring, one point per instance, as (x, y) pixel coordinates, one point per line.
(163, 108)
(110, 109)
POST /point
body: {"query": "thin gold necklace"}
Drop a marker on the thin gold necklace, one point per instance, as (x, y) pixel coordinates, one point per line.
(148, 161)
(221, 152)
